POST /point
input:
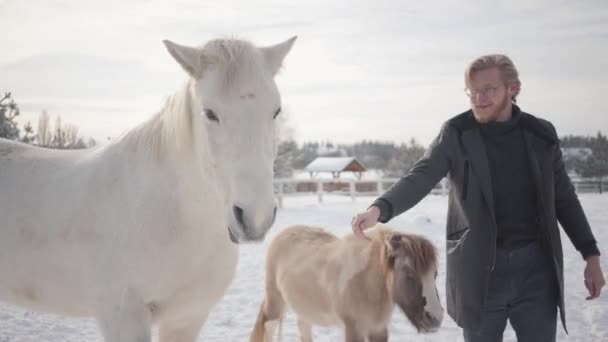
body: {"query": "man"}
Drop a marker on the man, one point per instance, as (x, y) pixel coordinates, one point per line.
(509, 189)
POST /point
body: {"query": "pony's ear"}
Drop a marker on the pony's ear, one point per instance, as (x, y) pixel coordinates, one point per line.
(191, 59)
(392, 249)
(392, 243)
(274, 55)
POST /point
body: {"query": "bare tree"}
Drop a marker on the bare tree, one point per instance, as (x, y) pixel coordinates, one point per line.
(45, 136)
(59, 136)
(71, 134)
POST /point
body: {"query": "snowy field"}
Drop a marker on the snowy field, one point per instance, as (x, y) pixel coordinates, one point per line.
(233, 317)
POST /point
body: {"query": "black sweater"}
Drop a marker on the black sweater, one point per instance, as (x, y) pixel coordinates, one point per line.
(513, 188)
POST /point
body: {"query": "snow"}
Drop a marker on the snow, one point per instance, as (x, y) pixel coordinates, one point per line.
(233, 318)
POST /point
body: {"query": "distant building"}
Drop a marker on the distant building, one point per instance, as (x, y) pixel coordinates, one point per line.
(335, 166)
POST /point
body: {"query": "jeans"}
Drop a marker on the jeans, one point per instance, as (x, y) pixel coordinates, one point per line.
(523, 289)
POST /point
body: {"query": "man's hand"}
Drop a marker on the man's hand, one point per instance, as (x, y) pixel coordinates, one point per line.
(363, 221)
(594, 279)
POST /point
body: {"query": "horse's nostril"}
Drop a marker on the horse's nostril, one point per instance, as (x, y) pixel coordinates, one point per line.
(423, 301)
(238, 214)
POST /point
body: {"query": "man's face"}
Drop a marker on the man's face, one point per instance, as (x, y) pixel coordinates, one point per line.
(490, 95)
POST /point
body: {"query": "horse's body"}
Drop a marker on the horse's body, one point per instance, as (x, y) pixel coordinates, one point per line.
(138, 232)
(349, 283)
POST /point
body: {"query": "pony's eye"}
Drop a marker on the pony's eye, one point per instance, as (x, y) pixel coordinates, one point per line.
(211, 115)
(410, 275)
(277, 113)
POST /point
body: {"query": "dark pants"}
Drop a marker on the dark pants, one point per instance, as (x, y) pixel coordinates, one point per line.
(523, 289)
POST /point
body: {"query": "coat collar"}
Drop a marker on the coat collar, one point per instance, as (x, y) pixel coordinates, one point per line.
(473, 147)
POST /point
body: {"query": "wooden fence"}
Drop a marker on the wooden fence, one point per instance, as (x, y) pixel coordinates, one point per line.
(355, 188)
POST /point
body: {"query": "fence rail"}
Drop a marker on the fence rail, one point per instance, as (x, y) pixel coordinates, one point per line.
(354, 188)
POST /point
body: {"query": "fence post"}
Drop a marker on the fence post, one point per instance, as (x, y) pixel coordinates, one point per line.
(280, 194)
(379, 187)
(351, 187)
(320, 191)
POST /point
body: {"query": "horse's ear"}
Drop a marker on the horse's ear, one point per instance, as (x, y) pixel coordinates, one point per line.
(191, 59)
(274, 55)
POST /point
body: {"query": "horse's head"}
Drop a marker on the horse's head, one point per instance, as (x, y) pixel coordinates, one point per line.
(235, 106)
(411, 263)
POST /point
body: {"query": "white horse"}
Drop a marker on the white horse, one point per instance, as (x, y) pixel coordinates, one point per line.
(138, 233)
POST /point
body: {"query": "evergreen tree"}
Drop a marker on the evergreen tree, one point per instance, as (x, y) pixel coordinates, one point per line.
(8, 111)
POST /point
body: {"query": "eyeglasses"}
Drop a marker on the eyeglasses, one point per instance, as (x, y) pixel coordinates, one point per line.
(487, 92)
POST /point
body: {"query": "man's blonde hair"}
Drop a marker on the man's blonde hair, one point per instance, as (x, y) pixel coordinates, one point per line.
(502, 62)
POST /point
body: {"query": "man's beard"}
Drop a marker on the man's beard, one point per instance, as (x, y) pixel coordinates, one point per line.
(504, 102)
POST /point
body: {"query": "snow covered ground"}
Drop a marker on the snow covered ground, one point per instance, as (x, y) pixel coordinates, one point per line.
(233, 317)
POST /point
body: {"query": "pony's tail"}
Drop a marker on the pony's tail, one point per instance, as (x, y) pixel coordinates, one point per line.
(259, 331)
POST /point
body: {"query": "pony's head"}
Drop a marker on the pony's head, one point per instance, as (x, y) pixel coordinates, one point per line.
(411, 264)
(235, 106)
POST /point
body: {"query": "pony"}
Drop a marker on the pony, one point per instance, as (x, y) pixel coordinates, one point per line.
(351, 283)
(143, 231)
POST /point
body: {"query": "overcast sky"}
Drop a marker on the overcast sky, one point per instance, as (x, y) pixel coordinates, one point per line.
(386, 70)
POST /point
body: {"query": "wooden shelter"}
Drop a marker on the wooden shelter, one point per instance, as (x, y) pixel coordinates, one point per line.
(335, 166)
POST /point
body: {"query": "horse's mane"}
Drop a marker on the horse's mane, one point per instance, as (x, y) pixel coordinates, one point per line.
(423, 253)
(169, 131)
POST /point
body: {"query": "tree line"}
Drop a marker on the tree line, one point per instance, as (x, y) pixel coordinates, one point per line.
(395, 160)
(57, 136)
(388, 158)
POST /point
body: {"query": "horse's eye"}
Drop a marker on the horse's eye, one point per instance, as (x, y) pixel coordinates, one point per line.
(410, 275)
(211, 115)
(277, 113)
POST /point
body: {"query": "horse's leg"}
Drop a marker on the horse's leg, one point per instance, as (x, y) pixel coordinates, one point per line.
(381, 336)
(124, 318)
(305, 329)
(180, 331)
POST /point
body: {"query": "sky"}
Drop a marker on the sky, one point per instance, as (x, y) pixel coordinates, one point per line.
(388, 70)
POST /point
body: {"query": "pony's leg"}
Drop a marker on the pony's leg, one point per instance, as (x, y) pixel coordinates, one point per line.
(270, 328)
(305, 329)
(180, 331)
(273, 310)
(379, 336)
(123, 318)
(351, 333)
(269, 318)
